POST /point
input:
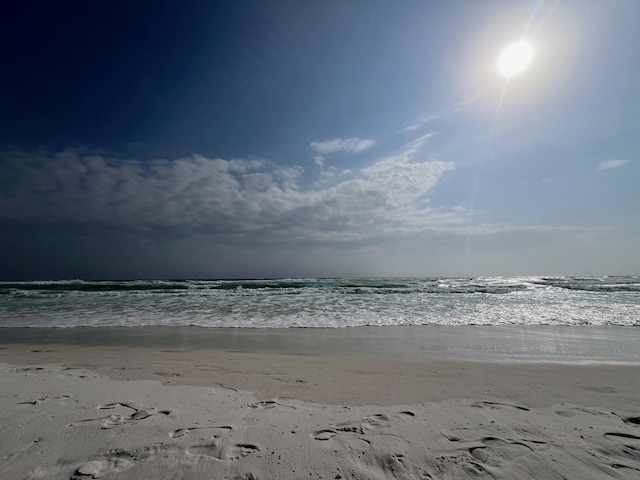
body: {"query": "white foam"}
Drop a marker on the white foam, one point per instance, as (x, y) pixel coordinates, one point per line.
(323, 302)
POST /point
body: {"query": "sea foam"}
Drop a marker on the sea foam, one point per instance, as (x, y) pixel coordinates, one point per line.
(282, 303)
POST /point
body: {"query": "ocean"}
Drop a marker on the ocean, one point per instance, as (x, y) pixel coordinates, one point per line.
(324, 303)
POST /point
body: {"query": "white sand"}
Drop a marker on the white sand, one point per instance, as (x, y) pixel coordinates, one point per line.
(381, 418)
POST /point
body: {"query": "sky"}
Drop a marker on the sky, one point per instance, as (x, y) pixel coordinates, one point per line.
(252, 139)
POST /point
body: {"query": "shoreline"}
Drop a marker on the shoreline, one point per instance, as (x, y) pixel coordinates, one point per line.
(162, 406)
(527, 343)
(377, 365)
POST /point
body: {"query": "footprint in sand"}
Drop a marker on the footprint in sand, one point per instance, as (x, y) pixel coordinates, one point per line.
(376, 422)
(118, 460)
(217, 431)
(106, 423)
(475, 469)
(139, 412)
(136, 412)
(499, 405)
(323, 435)
(407, 414)
(222, 451)
(362, 435)
(355, 438)
(290, 381)
(345, 438)
(268, 404)
(100, 468)
(496, 451)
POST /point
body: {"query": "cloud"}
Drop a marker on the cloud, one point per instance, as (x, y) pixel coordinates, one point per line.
(452, 110)
(248, 201)
(76, 214)
(611, 164)
(235, 203)
(420, 122)
(459, 106)
(348, 145)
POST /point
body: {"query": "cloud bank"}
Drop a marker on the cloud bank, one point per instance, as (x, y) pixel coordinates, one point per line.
(238, 201)
(73, 215)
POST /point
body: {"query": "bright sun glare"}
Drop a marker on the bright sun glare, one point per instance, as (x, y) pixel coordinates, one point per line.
(515, 58)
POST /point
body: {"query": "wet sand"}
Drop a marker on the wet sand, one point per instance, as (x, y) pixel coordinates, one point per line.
(182, 403)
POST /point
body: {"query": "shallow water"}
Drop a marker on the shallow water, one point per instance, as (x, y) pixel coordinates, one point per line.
(508, 343)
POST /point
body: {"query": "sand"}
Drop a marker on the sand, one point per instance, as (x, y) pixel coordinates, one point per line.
(147, 410)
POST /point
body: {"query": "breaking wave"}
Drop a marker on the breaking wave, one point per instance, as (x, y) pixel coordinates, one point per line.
(281, 303)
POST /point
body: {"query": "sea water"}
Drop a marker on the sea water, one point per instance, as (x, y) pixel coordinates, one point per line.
(282, 303)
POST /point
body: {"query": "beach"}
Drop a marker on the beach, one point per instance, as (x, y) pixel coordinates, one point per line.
(357, 403)
(328, 240)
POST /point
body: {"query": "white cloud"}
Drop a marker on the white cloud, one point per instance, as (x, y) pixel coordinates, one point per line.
(250, 201)
(424, 119)
(252, 217)
(420, 122)
(348, 145)
(611, 164)
(456, 108)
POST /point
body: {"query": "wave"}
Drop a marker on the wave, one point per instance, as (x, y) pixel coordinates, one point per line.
(592, 284)
(377, 286)
(485, 285)
(282, 303)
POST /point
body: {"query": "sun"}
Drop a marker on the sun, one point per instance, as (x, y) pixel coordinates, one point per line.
(515, 58)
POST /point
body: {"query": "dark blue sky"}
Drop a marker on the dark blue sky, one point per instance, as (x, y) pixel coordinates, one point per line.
(329, 138)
